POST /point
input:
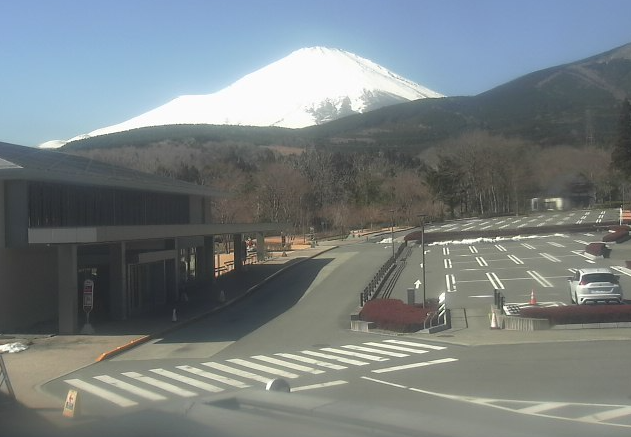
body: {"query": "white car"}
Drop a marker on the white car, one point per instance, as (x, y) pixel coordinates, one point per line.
(595, 285)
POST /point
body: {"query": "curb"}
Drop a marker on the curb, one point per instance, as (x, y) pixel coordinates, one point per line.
(146, 338)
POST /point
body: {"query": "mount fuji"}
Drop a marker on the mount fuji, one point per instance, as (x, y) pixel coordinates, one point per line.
(308, 87)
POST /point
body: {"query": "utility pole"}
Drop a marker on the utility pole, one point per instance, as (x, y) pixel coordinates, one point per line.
(392, 232)
(422, 217)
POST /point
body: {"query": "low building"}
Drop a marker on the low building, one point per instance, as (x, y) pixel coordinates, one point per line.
(133, 238)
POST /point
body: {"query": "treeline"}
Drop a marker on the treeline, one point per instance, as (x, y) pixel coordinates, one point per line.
(333, 189)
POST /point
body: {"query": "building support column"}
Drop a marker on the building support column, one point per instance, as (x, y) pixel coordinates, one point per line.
(118, 282)
(239, 248)
(68, 289)
(260, 247)
(208, 260)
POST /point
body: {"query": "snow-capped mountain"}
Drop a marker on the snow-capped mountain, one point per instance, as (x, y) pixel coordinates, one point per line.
(310, 86)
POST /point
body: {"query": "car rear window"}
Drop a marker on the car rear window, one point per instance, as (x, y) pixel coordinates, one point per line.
(598, 277)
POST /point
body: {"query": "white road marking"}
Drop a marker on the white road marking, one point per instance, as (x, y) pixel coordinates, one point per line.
(623, 270)
(516, 260)
(398, 348)
(581, 242)
(528, 246)
(287, 364)
(122, 385)
(552, 243)
(540, 408)
(213, 376)
(174, 389)
(550, 257)
(423, 345)
(312, 361)
(540, 279)
(262, 368)
(500, 248)
(450, 281)
(353, 354)
(495, 281)
(321, 385)
(481, 261)
(375, 351)
(334, 358)
(238, 372)
(101, 393)
(472, 249)
(447, 263)
(604, 416)
(186, 380)
(445, 251)
(383, 382)
(414, 365)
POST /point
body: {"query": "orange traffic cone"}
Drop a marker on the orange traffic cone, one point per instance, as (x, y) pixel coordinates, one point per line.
(533, 299)
(494, 324)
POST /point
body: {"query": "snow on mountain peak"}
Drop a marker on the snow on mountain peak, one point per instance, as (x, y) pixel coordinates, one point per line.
(310, 86)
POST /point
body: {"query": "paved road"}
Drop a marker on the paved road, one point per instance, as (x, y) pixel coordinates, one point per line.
(296, 327)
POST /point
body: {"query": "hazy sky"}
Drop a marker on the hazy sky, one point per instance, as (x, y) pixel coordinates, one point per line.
(71, 66)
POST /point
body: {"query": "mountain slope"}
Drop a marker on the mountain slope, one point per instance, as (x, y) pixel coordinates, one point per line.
(310, 86)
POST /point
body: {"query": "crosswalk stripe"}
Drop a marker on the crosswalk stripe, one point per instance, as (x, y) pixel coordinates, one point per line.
(353, 354)
(324, 384)
(263, 368)
(606, 415)
(415, 365)
(102, 393)
(312, 361)
(376, 351)
(238, 372)
(334, 358)
(186, 380)
(174, 389)
(540, 408)
(213, 376)
(293, 366)
(423, 345)
(138, 391)
(398, 348)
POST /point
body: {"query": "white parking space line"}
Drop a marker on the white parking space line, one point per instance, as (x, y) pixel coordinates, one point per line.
(540, 279)
(450, 282)
(623, 270)
(500, 248)
(122, 385)
(415, 365)
(528, 246)
(213, 376)
(298, 367)
(481, 261)
(587, 258)
(495, 281)
(550, 257)
(238, 372)
(101, 393)
(186, 380)
(472, 249)
(262, 368)
(581, 242)
(516, 260)
(447, 263)
(555, 244)
(174, 389)
(312, 361)
(445, 251)
(540, 408)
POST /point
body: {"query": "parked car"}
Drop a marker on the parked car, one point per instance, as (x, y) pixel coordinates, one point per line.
(595, 285)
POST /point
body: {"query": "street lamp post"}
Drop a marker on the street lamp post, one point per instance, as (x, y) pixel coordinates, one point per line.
(392, 232)
(422, 217)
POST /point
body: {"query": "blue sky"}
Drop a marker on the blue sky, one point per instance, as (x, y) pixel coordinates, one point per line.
(71, 66)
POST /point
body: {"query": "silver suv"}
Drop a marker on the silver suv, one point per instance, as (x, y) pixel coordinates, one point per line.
(594, 285)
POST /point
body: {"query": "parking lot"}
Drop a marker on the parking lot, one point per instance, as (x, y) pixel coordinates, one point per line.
(469, 270)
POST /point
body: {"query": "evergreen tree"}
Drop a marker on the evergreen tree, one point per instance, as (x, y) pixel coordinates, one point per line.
(621, 153)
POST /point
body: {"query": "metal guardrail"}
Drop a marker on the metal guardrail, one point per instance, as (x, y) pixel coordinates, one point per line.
(439, 317)
(372, 289)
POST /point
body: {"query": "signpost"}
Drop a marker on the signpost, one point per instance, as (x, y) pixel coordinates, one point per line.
(88, 304)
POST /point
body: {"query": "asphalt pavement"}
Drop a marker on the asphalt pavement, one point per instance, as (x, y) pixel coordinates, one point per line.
(51, 356)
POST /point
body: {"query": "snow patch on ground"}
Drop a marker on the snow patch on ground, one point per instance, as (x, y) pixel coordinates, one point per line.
(493, 240)
(12, 348)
